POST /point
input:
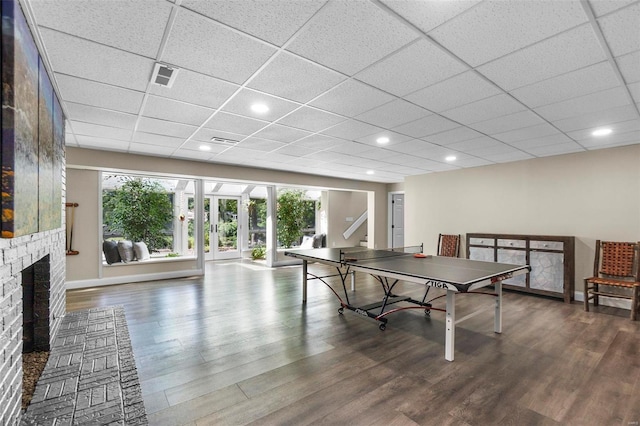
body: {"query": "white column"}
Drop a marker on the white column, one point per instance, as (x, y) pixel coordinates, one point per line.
(272, 215)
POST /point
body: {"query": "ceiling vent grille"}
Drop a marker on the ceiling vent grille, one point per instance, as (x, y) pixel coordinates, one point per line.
(164, 75)
(223, 141)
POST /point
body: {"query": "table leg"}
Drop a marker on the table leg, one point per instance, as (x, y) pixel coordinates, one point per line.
(450, 333)
(304, 281)
(353, 280)
(497, 327)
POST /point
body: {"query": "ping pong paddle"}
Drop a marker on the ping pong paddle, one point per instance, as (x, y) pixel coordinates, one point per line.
(421, 255)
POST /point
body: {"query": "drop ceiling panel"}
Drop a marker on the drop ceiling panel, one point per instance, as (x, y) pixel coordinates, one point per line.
(620, 139)
(571, 50)
(454, 92)
(634, 89)
(414, 67)
(139, 27)
(351, 148)
(153, 150)
(352, 130)
(93, 142)
(351, 98)
(163, 127)
(179, 112)
(620, 30)
(493, 29)
(196, 88)
(539, 131)
(242, 102)
(553, 139)
(235, 124)
(426, 126)
(318, 142)
(81, 58)
(394, 114)
(597, 119)
(570, 85)
(87, 129)
(205, 135)
(190, 154)
(508, 122)
(295, 78)
(629, 66)
(594, 102)
(458, 134)
(345, 36)
(600, 7)
(311, 119)
(557, 149)
(159, 140)
(394, 138)
(485, 109)
(507, 157)
(259, 144)
(471, 144)
(194, 145)
(429, 15)
(295, 150)
(617, 128)
(88, 114)
(272, 20)
(99, 95)
(198, 43)
(280, 133)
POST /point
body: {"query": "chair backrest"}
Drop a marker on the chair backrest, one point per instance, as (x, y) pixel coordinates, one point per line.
(448, 245)
(617, 259)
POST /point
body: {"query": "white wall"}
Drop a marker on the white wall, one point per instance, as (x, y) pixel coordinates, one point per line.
(590, 195)
(343, 205)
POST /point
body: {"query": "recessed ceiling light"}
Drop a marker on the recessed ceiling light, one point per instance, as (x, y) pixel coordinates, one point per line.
(204, 148)
(602, 132)
(382, 140)
(259, 108)
(370, 172)
(450, 158)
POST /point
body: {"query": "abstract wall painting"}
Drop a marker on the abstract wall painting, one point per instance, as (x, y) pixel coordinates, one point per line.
(31, 178)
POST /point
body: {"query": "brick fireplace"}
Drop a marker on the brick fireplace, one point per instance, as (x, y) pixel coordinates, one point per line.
(43, 256)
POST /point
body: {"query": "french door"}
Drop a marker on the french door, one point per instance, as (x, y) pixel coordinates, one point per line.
(222, 227)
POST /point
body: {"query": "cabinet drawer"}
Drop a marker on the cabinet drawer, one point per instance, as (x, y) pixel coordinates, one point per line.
(547, 245)
(481, 242)
(512, 243)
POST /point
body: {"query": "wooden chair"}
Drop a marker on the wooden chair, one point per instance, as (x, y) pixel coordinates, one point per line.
(617, 269)
(448, 245)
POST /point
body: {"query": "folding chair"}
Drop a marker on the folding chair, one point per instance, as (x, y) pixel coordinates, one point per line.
(616, 268)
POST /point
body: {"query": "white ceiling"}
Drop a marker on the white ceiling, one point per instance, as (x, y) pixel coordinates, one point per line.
(487, 81)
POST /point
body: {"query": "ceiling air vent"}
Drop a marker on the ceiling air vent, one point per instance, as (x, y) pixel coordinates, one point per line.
(223, 141)
(164, 75)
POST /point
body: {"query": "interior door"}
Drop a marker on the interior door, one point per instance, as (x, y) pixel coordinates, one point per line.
(397, 221)
(225, 227)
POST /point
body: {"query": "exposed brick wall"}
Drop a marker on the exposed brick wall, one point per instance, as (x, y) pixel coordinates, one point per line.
(15, 255)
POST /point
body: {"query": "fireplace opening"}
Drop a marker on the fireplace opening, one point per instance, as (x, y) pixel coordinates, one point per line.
(35, 306)
(28, 320)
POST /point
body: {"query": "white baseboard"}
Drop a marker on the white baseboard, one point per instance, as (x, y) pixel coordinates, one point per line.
(606, 301)
(97, 282)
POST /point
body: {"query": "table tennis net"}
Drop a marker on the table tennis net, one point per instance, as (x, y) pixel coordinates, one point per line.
(371, 254)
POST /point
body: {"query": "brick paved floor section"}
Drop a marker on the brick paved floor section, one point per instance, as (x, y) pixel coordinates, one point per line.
(90, 377)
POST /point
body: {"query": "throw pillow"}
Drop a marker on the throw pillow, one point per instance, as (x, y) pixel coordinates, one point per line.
(307, 242)
(125, 248)
(110, 249)
(141, 251)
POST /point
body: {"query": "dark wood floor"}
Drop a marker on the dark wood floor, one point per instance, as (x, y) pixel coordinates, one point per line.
(238, 347)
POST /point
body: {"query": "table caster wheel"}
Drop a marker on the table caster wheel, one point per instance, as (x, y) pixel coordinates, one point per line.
(427, 312)
(340, 310)
(382, 326)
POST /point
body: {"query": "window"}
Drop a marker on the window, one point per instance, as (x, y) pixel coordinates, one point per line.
(155, 210)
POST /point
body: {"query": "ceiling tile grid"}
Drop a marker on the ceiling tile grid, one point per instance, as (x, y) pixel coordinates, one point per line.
(485, 81)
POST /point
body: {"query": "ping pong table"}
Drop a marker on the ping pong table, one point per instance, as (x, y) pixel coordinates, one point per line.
(408, 264)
